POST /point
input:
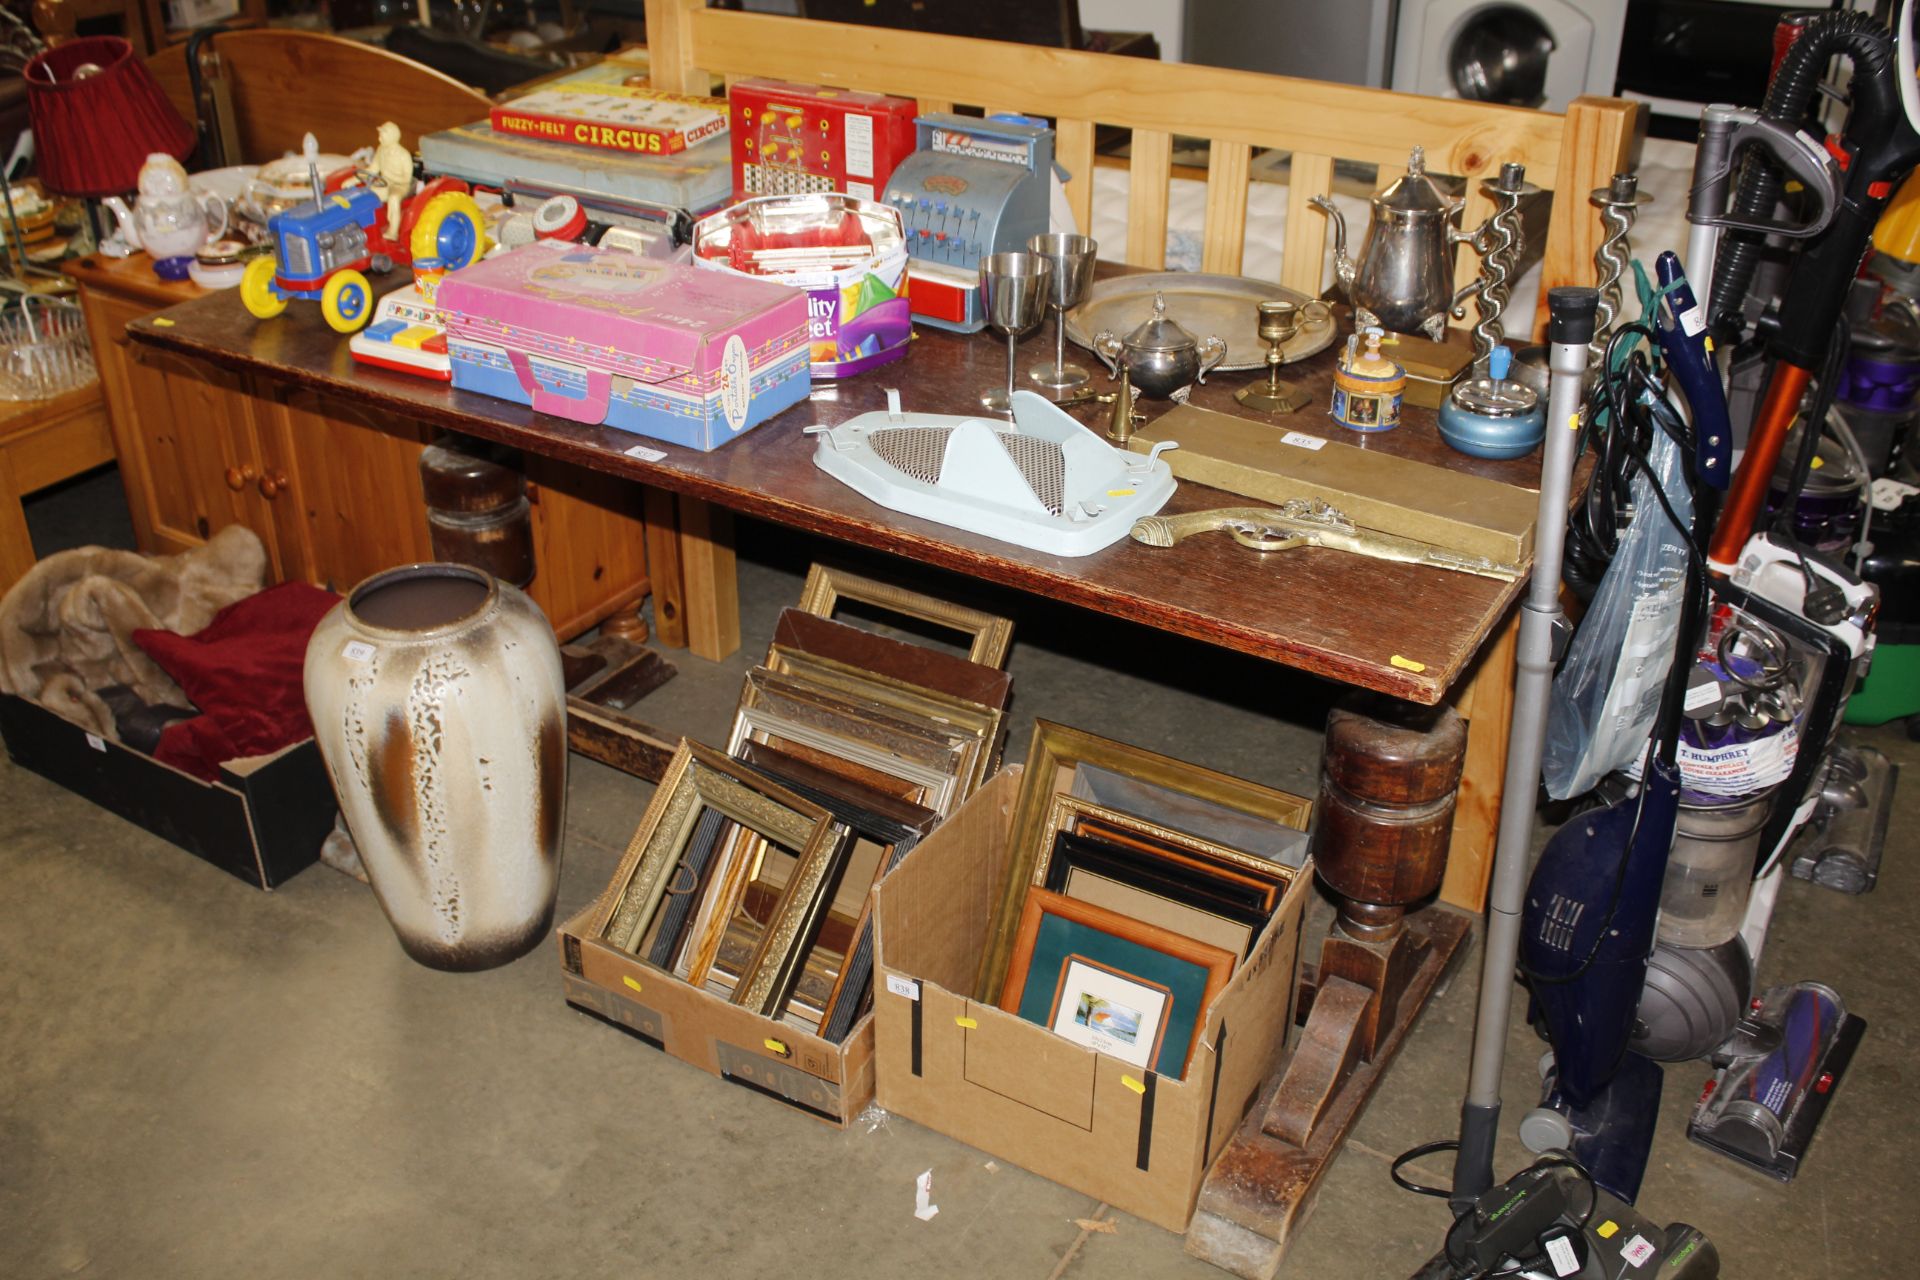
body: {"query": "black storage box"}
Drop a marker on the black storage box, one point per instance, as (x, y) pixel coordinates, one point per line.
(263, 821)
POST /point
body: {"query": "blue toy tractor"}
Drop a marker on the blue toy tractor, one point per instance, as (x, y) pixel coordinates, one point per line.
(323, 249)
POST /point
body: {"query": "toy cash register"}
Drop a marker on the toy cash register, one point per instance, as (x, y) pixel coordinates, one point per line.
(974, 188)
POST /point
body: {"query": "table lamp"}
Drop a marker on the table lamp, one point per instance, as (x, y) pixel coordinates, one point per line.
(97, 113)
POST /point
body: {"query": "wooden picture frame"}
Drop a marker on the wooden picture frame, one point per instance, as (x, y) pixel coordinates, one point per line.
(917, 664)
(1033, 984)
(941, 757)
(1052, 755)
(893, 824)
(699, 778)
(916, 702)
(1073, 815)
(990, 635)
(776, 962)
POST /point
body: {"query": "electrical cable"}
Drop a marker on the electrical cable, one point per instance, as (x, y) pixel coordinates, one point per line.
(1837, 424)
(1628, 404)
(1415, 1153)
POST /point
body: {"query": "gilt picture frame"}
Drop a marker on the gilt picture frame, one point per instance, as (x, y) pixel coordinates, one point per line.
(942, 757)
(989, 635)
(916, 701)
(896, 826)
(697, 779)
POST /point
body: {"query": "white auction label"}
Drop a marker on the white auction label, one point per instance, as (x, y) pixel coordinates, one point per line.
(1301, 440)
(900, 986)
(1560, 1254)
(645, 454)
(1693, 321)
(1704, 694)
(1636, 1251)
(357, 651)
(97, 742)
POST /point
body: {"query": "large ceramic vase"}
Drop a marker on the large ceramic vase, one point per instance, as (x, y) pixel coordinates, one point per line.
(437, 702)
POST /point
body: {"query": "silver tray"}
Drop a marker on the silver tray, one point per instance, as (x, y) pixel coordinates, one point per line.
(1205, 305)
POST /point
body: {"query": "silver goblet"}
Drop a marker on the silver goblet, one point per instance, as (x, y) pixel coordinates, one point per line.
(1014, 288)
(1072, 258)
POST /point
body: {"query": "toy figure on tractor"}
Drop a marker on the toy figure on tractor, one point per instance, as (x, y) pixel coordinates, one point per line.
(324, 247)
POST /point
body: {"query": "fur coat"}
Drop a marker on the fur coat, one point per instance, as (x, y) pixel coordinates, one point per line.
(66, 628)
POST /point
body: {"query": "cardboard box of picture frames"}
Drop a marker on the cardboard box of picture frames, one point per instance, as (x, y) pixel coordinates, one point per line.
(1138, 1141)
(833, 1082)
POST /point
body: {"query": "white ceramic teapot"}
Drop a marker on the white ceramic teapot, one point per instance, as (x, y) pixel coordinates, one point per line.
(169, 220)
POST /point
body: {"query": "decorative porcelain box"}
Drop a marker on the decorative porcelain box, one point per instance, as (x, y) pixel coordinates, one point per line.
(599, 336)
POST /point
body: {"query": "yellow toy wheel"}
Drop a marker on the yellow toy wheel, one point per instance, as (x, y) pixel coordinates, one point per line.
(346, 301)
(450, 229)
(256, 289)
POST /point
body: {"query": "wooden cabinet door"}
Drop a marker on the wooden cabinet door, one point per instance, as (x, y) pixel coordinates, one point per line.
(187, 438)
(589, 543)
(355, 486)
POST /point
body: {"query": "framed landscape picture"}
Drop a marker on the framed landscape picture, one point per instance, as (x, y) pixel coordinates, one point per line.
(1112, 983)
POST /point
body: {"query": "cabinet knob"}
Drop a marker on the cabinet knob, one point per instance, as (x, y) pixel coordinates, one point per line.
(239, 477)
(273, 484)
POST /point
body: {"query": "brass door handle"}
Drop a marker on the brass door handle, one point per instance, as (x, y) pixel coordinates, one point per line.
(239, 477)
(273, 484)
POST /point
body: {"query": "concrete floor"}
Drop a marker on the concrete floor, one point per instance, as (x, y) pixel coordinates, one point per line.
(198, 1079)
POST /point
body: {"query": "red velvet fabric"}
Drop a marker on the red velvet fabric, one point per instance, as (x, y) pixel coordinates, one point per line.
(244, 674)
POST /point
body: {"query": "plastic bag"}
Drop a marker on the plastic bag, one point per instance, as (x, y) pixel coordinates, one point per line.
(1607, 692)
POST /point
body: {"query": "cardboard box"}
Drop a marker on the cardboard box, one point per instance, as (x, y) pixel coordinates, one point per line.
(263, 821)
(831, 1081)
(1138, 1141)
(657, 348)
(618, 187)
(613, 117)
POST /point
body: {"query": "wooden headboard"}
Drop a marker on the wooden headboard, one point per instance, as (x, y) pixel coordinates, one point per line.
(284, 83)
(1234, 111)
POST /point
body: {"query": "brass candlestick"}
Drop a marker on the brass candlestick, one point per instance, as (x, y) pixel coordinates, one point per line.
(1279, 322)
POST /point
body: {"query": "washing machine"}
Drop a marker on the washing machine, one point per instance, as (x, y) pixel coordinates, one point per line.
(1533, 53)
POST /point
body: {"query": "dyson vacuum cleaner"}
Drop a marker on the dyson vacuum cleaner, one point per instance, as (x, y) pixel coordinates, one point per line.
(1589, 915)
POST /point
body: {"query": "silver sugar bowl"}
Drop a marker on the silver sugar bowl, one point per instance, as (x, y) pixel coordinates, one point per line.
(1161, 357)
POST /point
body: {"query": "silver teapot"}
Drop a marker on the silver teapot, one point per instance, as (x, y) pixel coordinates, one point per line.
(1161, 357)
(1403, 278)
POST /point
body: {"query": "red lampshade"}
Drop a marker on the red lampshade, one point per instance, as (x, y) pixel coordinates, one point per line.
(93, 132)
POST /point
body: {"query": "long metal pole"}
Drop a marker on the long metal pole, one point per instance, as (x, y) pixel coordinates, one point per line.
(1571, 315)
(1712, 182)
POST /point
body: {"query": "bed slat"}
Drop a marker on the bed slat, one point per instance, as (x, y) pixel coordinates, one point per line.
(1149, 174)
(1073, 147)
(1302, 256)
(1224, 240)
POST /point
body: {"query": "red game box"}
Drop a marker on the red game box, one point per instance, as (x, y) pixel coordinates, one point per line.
(791, 139)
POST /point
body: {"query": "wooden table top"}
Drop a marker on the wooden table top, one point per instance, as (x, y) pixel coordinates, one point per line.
(1398, 629)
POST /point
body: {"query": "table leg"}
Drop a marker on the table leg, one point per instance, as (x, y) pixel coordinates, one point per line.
(663, 567)
(1485, 699)
(712, 596)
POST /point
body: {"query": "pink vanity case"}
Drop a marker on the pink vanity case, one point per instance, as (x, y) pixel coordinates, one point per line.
(600, 336)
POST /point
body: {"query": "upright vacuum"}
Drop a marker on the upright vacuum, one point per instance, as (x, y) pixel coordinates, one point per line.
(1599, 895)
